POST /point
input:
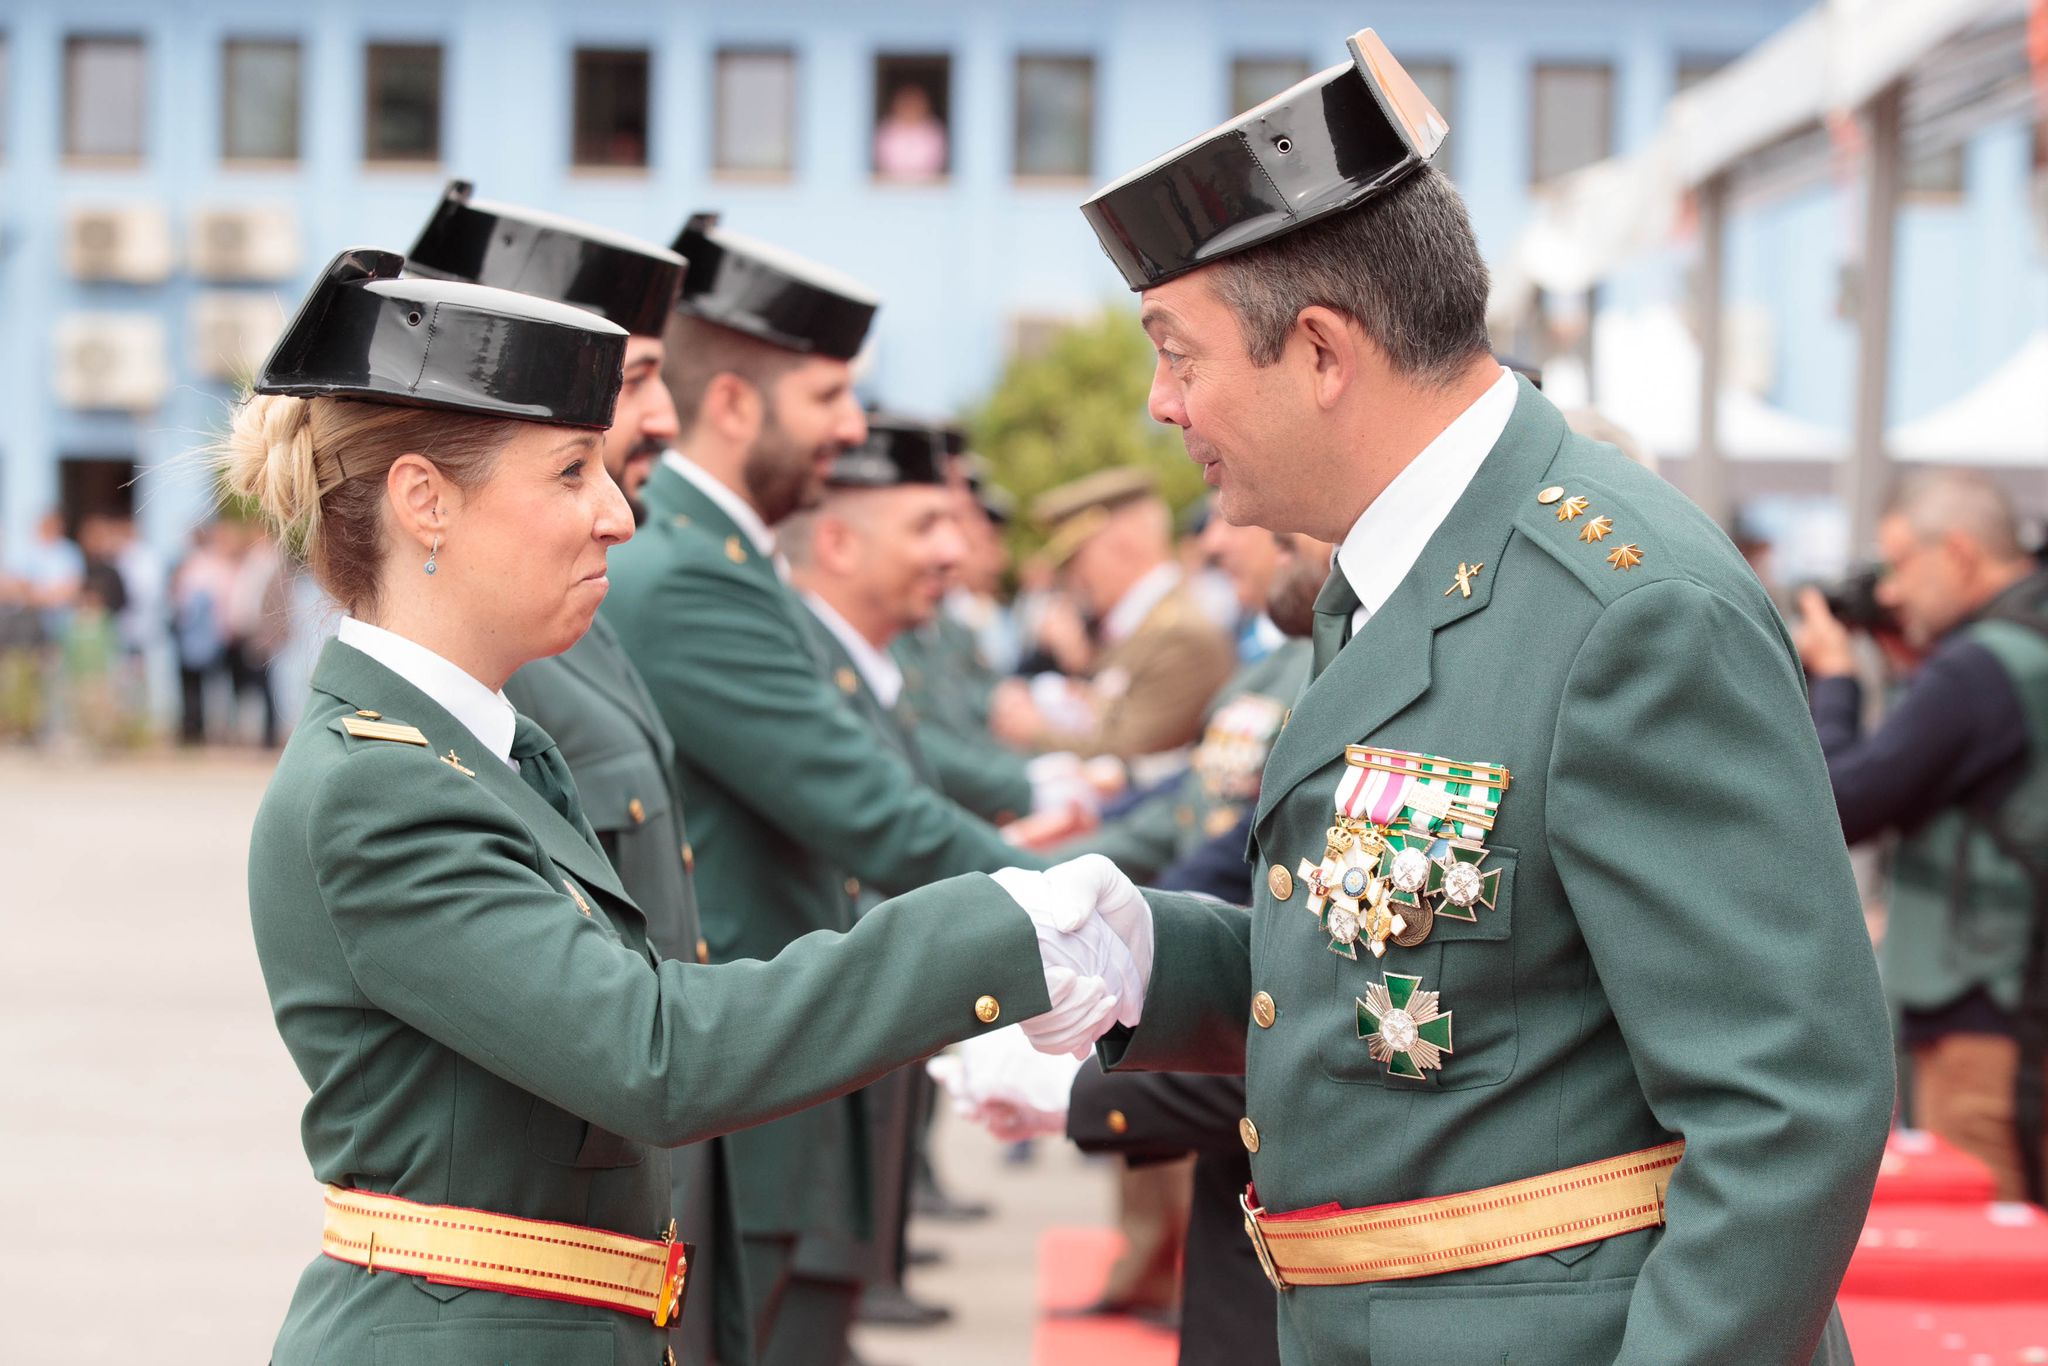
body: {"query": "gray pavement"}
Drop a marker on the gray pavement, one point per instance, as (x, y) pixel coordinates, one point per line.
(157, 1205)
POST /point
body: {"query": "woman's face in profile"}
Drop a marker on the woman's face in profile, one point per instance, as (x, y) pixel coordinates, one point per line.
(528, 548)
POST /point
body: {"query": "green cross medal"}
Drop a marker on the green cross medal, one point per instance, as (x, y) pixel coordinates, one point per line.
(1403, 1028)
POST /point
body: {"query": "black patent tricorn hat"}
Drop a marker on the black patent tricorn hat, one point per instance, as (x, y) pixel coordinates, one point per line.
(899, 450)
(1334, 141)
(771, 294)
(622, 278)
(366, 333)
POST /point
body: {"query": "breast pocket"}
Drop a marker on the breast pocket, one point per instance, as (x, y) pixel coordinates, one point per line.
(1444, 1009)
(622, 793)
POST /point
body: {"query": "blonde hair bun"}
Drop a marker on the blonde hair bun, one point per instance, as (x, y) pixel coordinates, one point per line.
(267, 457)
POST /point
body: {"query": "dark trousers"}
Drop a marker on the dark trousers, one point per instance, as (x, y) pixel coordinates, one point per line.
(252, 674)
(192, 705)
(799, 1319)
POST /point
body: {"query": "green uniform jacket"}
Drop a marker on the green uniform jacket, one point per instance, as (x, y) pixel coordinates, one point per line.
(1676, 948)
(470, 1038)
(946, 692)
(790, 797)
(1222, 776)
(598, 711)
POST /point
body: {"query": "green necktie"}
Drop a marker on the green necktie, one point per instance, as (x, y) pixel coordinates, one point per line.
(542, 768)
(1335, 605)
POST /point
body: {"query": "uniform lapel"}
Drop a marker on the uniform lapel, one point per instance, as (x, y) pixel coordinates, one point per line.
(352, 677)
(1386, 666)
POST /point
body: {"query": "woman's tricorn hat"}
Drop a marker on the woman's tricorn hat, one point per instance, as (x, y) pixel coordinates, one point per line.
(771, 294)
(622, 278)
(366, 333)
(1334, 141)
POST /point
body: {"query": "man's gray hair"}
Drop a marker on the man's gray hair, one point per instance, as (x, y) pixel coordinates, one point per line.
(1935, 503)
(1405, 266)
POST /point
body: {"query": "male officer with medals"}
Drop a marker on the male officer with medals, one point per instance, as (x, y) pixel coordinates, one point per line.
(1552, 780)
(794, 805)
(589, 698)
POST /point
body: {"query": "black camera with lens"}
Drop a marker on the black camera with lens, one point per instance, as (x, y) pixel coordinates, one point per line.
(1853, 601)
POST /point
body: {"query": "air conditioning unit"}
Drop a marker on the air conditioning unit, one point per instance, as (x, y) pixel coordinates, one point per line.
(128, 243)
(112, 360)
(250, 243)
(232, 332)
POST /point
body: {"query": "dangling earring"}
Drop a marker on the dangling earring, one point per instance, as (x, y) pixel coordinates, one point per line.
(433, 554)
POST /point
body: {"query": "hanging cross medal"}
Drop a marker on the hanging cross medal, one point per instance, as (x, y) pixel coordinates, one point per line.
(1403, 1028)
(1348, 894)
(1461, 886)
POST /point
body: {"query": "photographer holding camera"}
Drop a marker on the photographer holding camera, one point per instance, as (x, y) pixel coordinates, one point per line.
(1959, 768)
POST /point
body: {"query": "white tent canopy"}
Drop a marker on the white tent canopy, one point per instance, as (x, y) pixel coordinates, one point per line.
(1646, 372)
(2003, 421)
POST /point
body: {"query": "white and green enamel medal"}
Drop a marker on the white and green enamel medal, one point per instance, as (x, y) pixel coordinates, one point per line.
(1402, 1026)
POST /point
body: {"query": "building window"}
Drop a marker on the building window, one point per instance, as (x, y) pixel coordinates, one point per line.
(1438, 82)
(1934, 177)
(103, 98)
(611, 107)
(1055, 117)
(402, 102)
(753, 117)
(913, 117)
(1573, 119)
(1254, 80)
(260, 101)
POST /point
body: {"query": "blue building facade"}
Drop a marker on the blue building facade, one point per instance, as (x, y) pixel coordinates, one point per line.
(634, 115)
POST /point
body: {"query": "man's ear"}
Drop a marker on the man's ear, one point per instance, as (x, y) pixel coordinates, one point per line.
(733, 407)
(417, 491)
(1334, 346)
(836, 544)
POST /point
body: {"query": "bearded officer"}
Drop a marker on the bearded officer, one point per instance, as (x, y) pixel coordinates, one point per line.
(1552, 780)
(589, 698)
(795, 807)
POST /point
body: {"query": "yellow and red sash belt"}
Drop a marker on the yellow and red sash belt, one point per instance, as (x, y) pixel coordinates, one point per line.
(450, 1245)
(1332, 1246)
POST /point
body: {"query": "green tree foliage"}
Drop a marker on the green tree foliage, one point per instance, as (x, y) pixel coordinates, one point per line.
(1076, 407)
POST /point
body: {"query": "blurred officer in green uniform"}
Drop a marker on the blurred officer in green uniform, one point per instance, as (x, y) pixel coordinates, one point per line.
(496, 1051)
(1556, 945)
(946, 676)
(588, 697)
(794, 804)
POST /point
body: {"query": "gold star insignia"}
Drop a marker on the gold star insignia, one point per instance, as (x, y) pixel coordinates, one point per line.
(734, 551)
(1595, 530)
(1570, 508)
(1625, 556)
(1462, 580)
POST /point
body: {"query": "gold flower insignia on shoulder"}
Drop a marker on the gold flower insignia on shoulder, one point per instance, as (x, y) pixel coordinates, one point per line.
(1571, 507)
(1625, 556)
(1596, 530)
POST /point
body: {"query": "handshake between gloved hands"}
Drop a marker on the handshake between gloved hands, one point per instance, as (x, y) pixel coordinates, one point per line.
(1095, 944)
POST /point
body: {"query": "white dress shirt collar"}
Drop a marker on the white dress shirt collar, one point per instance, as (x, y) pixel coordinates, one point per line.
(882, 674)
(1389, 536)
(487, 715)
(1137, 603)
(731, 504)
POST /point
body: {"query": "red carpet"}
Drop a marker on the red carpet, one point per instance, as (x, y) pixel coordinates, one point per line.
(1073, 1264)
(1921, 1169)
(1907, 1333)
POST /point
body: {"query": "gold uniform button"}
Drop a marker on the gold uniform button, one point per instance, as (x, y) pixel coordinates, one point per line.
(703, 951)
(1249, 1132)
(1184, 815)
(1118, 1122)
(1262, 1010)
(1279, 882)
(853, 886)
(1550, 495)
(637, 811)
(987, 1009)
(734, 551)
(847, 682)
(689, 859)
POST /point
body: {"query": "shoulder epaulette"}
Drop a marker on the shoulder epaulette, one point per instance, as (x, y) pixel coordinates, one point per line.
(372, 728)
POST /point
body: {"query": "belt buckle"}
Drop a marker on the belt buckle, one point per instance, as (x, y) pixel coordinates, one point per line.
(1258, 1237)
(675, 1272)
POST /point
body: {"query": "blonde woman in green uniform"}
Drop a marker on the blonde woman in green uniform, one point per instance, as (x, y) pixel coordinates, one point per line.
(497, 1056)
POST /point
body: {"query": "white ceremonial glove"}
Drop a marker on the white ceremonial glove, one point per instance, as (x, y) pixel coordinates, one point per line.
(1088, 970)
(1002, 1082)
(1093, 884)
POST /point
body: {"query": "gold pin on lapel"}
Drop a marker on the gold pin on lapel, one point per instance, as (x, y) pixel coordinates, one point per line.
(1462, 580)
(456, 764)
(847, 682)
(734, 551)
(576, 896)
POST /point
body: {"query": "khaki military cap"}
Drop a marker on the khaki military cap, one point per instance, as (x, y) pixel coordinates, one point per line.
(1077, 510)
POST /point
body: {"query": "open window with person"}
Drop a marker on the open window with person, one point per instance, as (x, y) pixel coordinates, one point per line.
(913, 141)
